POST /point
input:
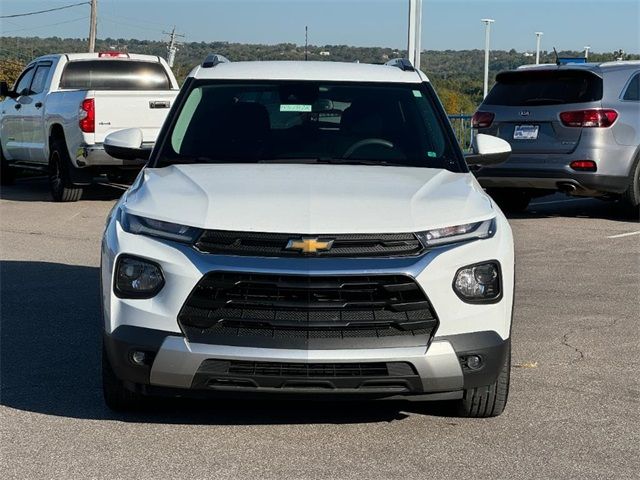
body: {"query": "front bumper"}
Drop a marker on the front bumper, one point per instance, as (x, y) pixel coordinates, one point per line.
(175, 364)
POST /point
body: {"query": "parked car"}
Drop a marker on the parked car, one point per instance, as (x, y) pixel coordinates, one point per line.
(62, 106)
(573, 128)
(307, 228)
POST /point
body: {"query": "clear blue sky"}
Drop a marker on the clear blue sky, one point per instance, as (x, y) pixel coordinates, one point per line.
(606, 25)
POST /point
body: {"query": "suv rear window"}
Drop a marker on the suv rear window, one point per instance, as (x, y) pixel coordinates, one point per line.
(114, 75)
(545, 87)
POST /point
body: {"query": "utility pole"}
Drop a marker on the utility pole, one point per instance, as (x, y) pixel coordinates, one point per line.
(538, 36)
(586, 51)
(414, 48)
(172, 48)
(487, 39)
(306, 42)
(93, 26)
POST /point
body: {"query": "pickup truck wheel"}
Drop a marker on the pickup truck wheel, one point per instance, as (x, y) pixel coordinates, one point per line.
(62, 190)
(116, 396)
(510, 200)
(490, 400)
(631, 197)
(7, 174)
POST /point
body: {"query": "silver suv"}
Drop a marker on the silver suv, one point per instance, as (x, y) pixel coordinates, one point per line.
(573, 128)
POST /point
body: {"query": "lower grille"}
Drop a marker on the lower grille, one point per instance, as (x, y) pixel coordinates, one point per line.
(368, 377)
(292, 311)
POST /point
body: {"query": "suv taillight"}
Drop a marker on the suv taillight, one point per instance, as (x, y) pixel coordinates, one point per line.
(482, 119)
(592, 118)
(87, 116)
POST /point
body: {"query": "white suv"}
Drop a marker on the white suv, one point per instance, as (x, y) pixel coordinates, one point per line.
(307, 228)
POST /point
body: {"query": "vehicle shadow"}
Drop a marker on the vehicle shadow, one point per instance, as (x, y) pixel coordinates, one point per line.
(50, 334)
(36, 189)
(560, 205)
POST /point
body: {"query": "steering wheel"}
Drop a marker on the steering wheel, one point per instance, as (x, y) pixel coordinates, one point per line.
(366, 142)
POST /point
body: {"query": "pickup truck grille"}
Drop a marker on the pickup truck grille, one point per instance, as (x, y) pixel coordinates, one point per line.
(223, 242)
(294, 311)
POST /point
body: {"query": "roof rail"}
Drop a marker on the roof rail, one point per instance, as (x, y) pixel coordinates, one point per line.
(214, 59)
(402, 63)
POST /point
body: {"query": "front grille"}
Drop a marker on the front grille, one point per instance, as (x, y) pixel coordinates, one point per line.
(364, 377)
(224, 242)
(293, 310)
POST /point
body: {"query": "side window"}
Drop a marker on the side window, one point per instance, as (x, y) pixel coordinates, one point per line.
(23, 83)
(633, 89)
(40, 78)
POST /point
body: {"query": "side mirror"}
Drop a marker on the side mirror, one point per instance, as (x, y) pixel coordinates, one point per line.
(488, 150)
(127, 145)
(5, 91)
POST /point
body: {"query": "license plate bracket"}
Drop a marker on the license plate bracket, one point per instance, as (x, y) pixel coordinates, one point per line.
(526, 132)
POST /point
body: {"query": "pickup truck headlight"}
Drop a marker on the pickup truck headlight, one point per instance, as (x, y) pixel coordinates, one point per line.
(137, 278)
(479, 283)
(157, 228)
(458, 233)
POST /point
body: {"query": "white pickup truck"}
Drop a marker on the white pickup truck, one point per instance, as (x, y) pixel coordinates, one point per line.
(63, 106)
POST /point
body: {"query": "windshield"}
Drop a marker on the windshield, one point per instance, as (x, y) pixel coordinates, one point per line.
(311, 122)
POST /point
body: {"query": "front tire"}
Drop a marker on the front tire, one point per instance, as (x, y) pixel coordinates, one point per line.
(116, 396)
(62, 189)
(489, 400)
(510, 200)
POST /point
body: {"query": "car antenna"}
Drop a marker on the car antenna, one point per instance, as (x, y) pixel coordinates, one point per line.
(555, 52)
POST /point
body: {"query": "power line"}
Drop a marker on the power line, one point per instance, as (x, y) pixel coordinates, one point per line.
(44, 11)
(44, 26)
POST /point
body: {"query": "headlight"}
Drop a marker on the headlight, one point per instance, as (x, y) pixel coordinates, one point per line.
(480, 283)
(137, 278)
(458, 233)
(157, 228)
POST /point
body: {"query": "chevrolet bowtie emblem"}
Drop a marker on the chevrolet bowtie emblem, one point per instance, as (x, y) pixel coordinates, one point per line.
(309, 245)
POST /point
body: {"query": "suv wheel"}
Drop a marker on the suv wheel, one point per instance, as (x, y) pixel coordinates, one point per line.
(62, 190)
(116, 396)
(7, 174)
(631, 197)
(510, 200)
(490, 400)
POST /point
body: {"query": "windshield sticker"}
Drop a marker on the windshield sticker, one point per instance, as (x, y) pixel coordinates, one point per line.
(295, 108)
(431, 154)
(417, 93)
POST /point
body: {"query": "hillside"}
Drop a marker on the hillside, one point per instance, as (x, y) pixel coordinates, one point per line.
(457, 75)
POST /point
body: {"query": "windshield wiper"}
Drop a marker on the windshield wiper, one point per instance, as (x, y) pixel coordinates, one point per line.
(328, 161)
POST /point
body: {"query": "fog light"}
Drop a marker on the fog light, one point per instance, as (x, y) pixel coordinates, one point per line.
(138, 357)
(137, 278)
(474, 362)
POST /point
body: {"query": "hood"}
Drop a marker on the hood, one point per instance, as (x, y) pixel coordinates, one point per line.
(308, 199)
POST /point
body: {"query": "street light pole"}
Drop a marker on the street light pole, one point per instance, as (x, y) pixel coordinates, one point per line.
(414, 33)
(586, 51)
(487, 38)
(92, 26)
(538, 36)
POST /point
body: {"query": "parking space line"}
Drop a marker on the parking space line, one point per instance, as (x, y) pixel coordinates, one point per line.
(628, 234)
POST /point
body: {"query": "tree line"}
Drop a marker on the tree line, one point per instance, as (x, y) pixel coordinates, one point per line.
(457, 75)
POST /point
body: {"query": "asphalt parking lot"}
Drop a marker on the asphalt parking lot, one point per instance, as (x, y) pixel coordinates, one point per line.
(573, 411)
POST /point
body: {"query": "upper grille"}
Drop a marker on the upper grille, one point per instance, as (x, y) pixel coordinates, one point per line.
(292, 310)
(344, 245)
